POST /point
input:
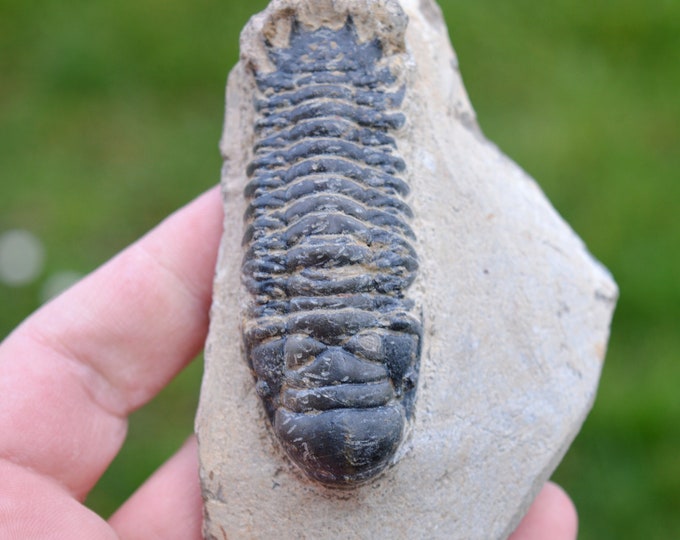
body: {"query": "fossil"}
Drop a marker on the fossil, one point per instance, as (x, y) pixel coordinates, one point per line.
(329, 332)
(507, 374)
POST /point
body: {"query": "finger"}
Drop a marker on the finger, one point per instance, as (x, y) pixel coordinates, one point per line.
(552, 515)
(168, 505)
(32, 506)
(73, 371)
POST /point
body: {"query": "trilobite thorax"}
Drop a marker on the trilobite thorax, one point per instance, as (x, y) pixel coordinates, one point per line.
(329, 332)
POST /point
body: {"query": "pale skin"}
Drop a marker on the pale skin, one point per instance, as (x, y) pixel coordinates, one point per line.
(73, 371)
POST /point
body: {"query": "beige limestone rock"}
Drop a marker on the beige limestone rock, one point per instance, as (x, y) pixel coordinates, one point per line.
(516, 318)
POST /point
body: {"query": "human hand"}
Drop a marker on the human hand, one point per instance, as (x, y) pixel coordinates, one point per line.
(552, 516)
(72, 373)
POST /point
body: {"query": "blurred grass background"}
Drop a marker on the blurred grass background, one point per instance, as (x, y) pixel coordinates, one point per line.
(110, 113)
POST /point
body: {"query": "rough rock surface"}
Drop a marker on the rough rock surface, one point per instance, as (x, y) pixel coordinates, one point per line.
(515, 310)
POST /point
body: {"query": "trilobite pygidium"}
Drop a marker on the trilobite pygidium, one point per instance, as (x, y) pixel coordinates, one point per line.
(329, 333)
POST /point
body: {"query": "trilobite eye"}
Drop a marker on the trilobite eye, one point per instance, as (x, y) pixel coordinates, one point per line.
(371, 343)
(408, 382)
(299, 350)
(263, 390)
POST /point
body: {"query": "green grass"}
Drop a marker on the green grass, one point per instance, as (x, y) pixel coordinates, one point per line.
(110, 115)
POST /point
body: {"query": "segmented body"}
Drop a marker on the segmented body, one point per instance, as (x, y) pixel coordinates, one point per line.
(330, 333)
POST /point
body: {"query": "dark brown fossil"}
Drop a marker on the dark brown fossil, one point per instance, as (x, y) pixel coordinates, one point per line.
(330, 333)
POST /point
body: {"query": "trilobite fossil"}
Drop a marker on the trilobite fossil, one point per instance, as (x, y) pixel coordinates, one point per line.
(329, 333)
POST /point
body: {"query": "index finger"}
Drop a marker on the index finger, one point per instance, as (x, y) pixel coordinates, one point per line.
(73, 371)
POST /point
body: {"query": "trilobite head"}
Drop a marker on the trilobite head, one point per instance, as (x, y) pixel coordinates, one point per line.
(329, 331)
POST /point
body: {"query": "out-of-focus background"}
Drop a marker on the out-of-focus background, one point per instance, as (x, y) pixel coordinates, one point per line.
(110, 113)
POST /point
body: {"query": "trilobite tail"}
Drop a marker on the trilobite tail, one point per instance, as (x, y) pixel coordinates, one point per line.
(341, 447)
